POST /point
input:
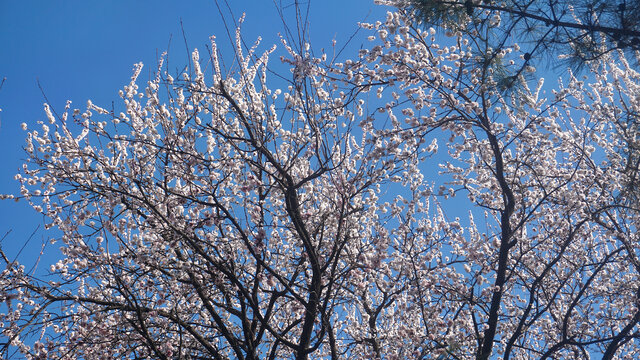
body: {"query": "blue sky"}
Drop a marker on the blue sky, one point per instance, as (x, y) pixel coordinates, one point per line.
(85, 49)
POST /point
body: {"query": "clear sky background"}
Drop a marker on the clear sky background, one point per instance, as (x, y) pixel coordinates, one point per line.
(85, 49)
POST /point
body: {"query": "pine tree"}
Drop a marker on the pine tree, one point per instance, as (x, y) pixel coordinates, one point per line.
(579, 31)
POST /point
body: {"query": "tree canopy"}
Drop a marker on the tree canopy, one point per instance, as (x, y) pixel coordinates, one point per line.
(395, 204)
(581, 30)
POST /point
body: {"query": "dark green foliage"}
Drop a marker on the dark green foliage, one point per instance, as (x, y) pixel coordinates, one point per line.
(441, 13)
(581, 30)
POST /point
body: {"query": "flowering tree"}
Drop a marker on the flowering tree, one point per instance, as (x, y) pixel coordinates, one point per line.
(221, 217)
(554, 270)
